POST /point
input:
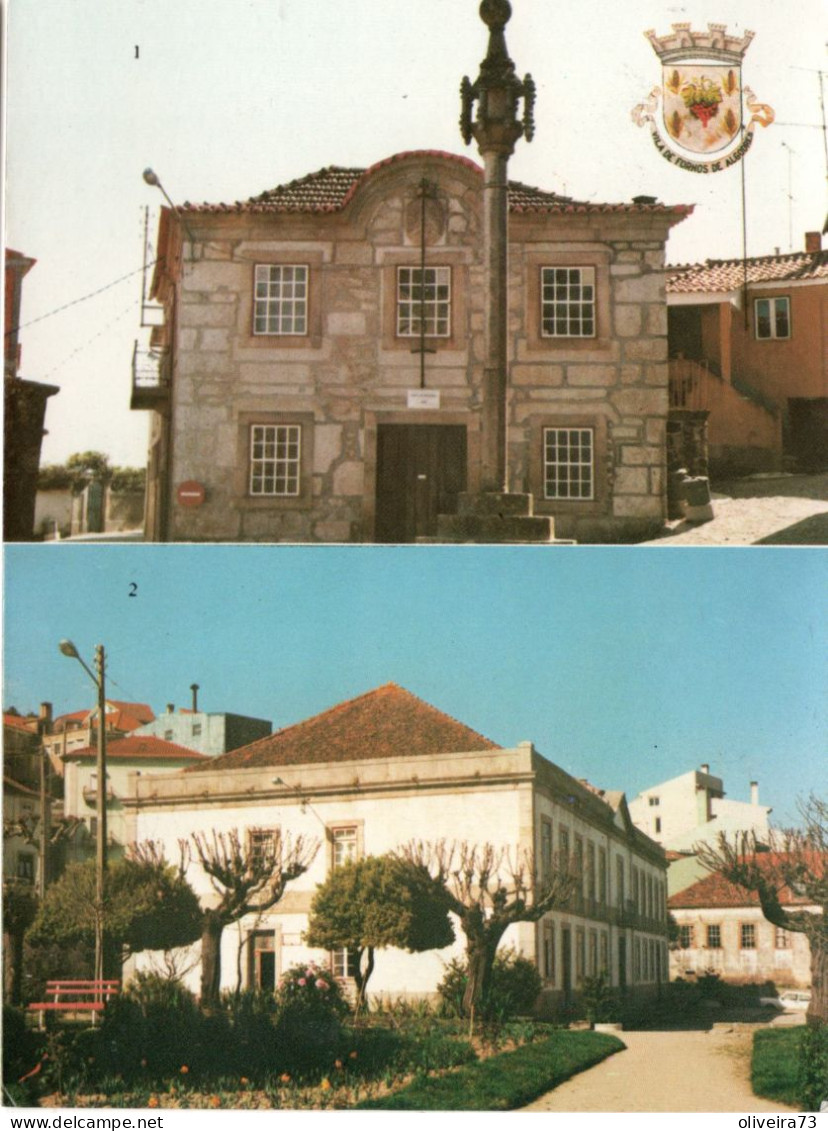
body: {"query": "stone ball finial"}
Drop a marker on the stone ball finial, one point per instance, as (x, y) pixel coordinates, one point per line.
(495, 13)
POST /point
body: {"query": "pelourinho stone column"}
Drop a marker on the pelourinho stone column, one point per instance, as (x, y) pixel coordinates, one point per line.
(496, 128)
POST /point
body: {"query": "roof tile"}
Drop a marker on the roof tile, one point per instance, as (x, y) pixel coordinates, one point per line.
(725, 275)
(136, 747)
(384, 723)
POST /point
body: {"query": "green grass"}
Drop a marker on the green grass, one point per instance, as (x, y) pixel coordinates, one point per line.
(507, 1081)
(775, 1063)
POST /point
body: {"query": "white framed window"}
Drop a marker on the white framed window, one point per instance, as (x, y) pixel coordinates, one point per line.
(344, 845)
(344, 963)
(546, 848)
(281, 299)
(26, 867)
(747, 936)
(567, 302)
(261, 845)
(568, 463)
(549, 952)
(275, 459)
(772, 318)
(781, 939)
(423, 302)
(714, 936)
(685, 936)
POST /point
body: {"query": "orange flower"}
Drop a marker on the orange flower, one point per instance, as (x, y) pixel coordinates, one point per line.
(184, 1070)
(244, 1080)
(353, 1055)
(337, 1064)
(215, 1101)
(285, 1077)
(152, 1101)
(326, 1085)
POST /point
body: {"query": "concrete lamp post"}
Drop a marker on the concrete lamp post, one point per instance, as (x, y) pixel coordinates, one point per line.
(67, 648)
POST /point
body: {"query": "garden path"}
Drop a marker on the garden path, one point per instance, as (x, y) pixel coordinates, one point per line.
(675, 1071)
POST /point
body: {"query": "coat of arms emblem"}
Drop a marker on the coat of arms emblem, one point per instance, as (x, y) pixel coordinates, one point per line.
(707, 115)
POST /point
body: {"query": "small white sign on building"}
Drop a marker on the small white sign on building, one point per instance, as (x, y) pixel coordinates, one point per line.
(423, 398)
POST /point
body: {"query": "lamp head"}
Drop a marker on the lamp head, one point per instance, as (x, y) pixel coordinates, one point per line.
(69, 649)
(150, 177)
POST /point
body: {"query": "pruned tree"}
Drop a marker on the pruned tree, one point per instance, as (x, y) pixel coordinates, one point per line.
(148, 905)
(791, 881)
(248, 877)
(378, 902)
(489, 889)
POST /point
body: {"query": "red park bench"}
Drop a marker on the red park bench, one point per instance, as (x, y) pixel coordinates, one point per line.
(75, 996)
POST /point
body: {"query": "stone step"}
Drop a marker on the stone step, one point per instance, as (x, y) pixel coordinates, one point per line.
(494, 528)
(495, 503)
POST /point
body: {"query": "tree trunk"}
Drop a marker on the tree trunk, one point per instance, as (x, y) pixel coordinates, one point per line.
(361, 978)
(481, 949)
(211, 931)
(817, 1014)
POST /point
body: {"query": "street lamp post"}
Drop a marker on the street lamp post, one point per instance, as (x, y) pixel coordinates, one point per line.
(69, 649)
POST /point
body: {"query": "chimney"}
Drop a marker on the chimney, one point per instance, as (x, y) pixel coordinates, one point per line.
(813, 241)
(194, 689)
(705, 769)
(171, 708)
(754, 793)
(46, 712)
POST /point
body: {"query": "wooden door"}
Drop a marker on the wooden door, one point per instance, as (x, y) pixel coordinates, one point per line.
(421, 468)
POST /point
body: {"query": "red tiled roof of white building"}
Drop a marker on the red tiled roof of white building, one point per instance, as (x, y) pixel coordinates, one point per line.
(725, 275)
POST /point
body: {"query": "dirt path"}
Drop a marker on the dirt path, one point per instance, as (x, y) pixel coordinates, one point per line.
(666, 1071)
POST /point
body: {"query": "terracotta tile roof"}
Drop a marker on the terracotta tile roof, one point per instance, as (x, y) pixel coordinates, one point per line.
(725, 275)
(124, 716)
(17, 722)
(330, 190)
(137, 747)
(384, 723)
(715, 891)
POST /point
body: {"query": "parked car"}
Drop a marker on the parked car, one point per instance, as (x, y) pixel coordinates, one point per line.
(789, 1001)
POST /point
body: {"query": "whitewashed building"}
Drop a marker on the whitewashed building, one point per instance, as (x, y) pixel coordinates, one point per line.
(377, 771)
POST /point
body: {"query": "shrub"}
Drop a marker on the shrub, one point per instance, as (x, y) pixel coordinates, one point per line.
(21, 1047)
(598, 999)
(310, 1007)
(812, 1077)
(514, 988)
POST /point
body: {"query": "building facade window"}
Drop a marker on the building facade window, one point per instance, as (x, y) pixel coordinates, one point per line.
(275, 459)
(563, 841)
(424, 302)
(685, 936)
(653, 800)
(580, 954)
(568, 302)
(262, 971)
(714, 936)
(772, 318)
(261, 846)
(605, 952)
(781, 939)
(281, 299)
(546, 848)
(344, 845)
(26, 867)
(602, 876)
(590, 870)
(344, 963)
(747, 936)
(568, 463)
(658, 824)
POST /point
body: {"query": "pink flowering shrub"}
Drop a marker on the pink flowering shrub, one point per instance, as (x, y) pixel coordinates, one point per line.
(310, 1006)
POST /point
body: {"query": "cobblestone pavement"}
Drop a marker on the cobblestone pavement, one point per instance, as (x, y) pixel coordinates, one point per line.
(785, 510)
(674, 1071)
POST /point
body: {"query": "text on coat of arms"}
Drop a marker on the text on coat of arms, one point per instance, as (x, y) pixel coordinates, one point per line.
(704, 124)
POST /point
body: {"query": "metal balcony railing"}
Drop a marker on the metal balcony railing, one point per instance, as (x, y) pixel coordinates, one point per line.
(150, 378)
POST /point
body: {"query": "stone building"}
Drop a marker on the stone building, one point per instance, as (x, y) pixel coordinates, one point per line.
(722, 931)
(369, 775)
(318, 376)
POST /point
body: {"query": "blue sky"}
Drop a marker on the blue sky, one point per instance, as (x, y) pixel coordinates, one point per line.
(226, 98)
(627, 667)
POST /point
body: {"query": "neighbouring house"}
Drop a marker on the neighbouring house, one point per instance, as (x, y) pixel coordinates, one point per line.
(21, 808)
(319, 373)
(692, 809)
(210, 732)
(722, 931)
(134, 755)
(22, 749)
(369, 775)
(24, 413)
(749, 347)
(78, 729)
